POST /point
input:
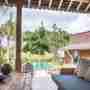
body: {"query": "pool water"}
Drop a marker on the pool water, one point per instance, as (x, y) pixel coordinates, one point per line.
(43, 65)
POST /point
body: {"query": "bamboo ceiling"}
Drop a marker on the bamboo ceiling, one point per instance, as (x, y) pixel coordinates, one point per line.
(82, 6)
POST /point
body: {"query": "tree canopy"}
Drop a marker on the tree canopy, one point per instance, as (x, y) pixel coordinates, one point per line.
(42, 40)
(36, 42)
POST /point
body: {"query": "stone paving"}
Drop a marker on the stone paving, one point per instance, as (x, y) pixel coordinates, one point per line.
(43, 81)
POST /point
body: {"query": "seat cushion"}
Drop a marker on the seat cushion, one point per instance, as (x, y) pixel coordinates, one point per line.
(82, 68)
(2, 77)
(87, 75)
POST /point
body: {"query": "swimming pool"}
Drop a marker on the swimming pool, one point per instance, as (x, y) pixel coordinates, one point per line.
(42, 65)
(71, 82)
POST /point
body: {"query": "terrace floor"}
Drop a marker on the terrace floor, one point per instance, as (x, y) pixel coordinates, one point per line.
(17, 82)
(41, 81)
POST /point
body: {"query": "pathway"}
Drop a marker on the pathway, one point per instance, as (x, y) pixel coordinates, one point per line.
(43, 81)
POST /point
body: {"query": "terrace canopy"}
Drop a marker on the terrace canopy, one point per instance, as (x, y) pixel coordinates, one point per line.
(81, 6)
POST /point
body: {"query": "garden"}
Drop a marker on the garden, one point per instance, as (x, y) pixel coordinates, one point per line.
(39, 47)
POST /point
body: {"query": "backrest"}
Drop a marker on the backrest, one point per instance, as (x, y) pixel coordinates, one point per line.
(28, 68)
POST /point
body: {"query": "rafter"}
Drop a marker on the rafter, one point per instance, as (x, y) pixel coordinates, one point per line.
(50, 3)
(6, 2)
(29, 1)
(81, 0)
(60, 4)
(87, 7)
(78, 7)
(70, 4)
(39, 3)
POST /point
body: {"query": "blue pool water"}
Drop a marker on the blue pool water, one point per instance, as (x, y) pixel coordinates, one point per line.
(40, 66)
(71, 82)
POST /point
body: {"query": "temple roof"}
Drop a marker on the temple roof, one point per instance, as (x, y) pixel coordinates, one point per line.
(80, 41)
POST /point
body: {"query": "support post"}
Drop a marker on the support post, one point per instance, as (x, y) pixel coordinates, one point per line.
(18, 62)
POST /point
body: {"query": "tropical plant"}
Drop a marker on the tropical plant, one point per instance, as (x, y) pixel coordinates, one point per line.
(43, 40)
(36, 42)
(6, 69)
(3, 52)
(8, 30)
(58, 39)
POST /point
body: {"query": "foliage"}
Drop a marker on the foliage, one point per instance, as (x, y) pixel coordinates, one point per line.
(26, 57)
(42, 40)
(8, 29)
(2, 55)
(58, 37)
(36, 42)
(6, 69)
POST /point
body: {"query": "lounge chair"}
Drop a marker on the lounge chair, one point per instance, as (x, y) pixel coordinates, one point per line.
(2, 77)
(28, 68)
(5, 71)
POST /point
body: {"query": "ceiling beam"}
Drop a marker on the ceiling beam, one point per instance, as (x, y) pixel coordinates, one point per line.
(70, 4)
(19, 3)
(60, 4)
(50, 3)
(6, 2)
(82, 0)
(87, 7)
(29, 1)
(78, 7)
(39, 3)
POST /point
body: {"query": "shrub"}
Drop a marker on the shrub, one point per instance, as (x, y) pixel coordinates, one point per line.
(6, 69)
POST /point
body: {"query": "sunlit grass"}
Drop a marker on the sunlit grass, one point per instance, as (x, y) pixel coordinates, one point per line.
(47, 57)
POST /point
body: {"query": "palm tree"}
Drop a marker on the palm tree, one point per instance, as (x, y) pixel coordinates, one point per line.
(58, 39)
(9, 30)
(2, 45)
(36, 42)
(11, 33)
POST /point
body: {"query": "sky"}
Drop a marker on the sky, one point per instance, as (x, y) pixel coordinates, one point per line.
(31, 19)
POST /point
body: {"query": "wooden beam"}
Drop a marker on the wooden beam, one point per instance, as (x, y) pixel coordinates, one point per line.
(50, 3)
(78, 7)
(6, 2)
(86, 1)
(60, 4)
(70, 4)
(18, 35)
(39, 3)
(87, 7)
(29, 1)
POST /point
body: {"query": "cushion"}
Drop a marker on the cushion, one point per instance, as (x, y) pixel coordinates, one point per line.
(2, 77)
(28, 68)
(87, 75)
(82, 68)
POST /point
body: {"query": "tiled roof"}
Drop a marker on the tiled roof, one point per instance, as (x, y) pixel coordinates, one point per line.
(80, 41)
(83, 37)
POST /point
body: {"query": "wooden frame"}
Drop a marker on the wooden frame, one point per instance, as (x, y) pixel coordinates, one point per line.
(20, 3)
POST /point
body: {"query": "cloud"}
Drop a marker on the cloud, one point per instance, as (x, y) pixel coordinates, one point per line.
(32, 18)
(81, 24)
(71, 22)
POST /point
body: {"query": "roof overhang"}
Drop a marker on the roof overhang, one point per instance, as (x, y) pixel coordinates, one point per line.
(79, 46)
(82, 6)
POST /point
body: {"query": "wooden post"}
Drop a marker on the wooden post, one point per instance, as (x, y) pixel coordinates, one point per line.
(18, 35)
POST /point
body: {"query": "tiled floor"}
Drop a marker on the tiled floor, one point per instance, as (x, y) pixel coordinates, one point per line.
(40, 81)
(43, 81)
(17, 82)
